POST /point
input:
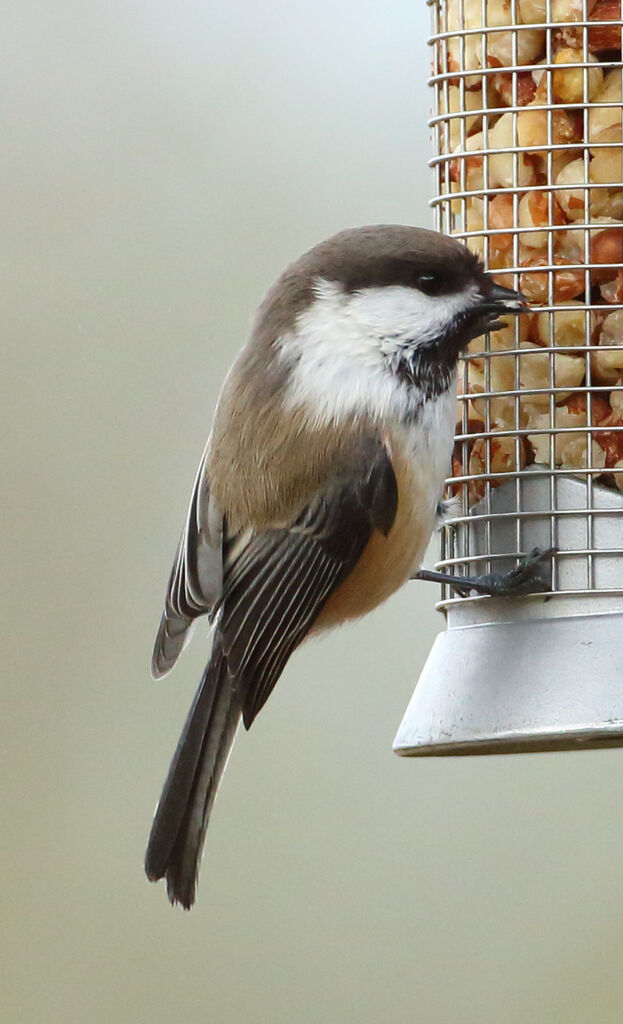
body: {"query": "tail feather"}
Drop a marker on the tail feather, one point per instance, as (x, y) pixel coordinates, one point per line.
(178, 831)
(174, 633)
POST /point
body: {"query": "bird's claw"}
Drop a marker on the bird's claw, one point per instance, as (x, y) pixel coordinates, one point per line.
(525, 578)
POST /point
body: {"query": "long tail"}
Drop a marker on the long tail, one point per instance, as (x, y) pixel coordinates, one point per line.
(178, 832)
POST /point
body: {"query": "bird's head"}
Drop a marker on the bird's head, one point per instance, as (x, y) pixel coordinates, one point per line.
(418, 284)
(377, 301)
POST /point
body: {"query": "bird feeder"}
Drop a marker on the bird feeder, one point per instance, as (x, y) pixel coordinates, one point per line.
(528, 173)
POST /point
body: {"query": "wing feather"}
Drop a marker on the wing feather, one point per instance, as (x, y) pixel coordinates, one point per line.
(268, 586)
(196, 577)
(280, 646)
(271, 625)
(277, 581)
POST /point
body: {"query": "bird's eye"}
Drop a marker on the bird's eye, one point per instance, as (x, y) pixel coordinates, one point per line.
(430, 284)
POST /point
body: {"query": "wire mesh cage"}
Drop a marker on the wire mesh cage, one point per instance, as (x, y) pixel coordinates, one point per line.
(528, 169)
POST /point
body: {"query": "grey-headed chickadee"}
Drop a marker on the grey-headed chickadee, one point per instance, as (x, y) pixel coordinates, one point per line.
(318, 489)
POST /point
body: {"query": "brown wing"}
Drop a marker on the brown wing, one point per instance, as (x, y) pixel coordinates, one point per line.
(277, 581)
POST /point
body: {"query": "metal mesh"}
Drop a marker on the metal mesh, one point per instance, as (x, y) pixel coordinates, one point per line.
(527, 137)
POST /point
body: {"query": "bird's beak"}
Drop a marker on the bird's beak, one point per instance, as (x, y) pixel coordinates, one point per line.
(503, 300)
(496, 302)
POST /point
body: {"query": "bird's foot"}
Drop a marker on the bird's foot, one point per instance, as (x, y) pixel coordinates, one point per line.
(531, 576)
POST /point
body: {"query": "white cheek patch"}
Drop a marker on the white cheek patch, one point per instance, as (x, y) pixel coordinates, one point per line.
(408, 314)
(341, 348)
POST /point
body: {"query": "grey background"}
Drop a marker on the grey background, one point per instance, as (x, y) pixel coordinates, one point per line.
(164, 161)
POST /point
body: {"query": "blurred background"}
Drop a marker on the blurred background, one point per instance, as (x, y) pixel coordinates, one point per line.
(163, 161)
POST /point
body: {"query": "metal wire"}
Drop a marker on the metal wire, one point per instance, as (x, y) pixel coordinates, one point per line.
(515, 104)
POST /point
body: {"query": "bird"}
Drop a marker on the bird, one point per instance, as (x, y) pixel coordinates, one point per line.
(319, 486)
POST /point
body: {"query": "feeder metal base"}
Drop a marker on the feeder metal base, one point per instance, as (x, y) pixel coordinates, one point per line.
(535, 673)
(554, 684)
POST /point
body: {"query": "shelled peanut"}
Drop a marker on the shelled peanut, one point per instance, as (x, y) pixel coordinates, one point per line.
(544, 184)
